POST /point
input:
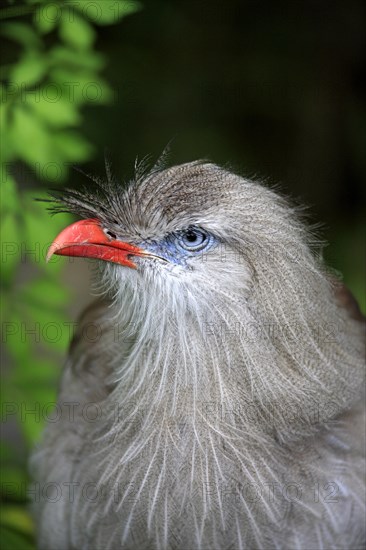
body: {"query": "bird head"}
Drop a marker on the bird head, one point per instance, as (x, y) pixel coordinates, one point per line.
(218, 271)
(195, 230)
(171, 223)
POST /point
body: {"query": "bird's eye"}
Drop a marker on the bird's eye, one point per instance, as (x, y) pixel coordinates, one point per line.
(193, 239)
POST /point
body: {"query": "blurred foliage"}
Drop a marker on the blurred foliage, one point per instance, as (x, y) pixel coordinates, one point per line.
(54, 72)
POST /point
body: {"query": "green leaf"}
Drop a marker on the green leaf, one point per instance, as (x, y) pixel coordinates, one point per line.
(9, 195)
(43, 324)
(60, 113)
(40, 372)
(76, 32)
(29, 70)
(80, 59)
(5, 147)
(41, 229)
(13, 540)
(88, 87)
(30, 137)
(45, 152)
(18, 518)
(10, 249)
(18, 344)
(7, 452)
(47, 17)
(36, 409)
(16, 338)
(23, 33)
(37, 226)
(106, 12)
(45, 291)
(13, 481)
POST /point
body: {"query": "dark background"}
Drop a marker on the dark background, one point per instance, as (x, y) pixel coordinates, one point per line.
(273, 89)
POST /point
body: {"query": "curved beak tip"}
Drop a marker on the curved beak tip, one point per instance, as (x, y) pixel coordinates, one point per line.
(87, 239)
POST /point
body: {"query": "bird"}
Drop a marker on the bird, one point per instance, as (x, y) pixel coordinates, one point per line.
(213, 394)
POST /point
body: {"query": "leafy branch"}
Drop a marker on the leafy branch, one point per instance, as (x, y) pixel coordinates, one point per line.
(56, 73)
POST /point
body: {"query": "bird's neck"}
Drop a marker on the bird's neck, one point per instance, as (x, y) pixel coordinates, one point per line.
(237, 376)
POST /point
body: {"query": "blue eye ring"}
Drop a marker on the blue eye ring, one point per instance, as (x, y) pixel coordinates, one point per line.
(193, 239)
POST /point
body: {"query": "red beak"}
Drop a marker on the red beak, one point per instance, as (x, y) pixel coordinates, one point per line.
(87, 239)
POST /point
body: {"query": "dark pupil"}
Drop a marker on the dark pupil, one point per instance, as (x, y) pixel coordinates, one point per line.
(191, 237)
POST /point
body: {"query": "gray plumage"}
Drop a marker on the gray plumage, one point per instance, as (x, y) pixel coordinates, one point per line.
(220, 403)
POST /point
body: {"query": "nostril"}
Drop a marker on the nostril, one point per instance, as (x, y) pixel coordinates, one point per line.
(111, 235)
